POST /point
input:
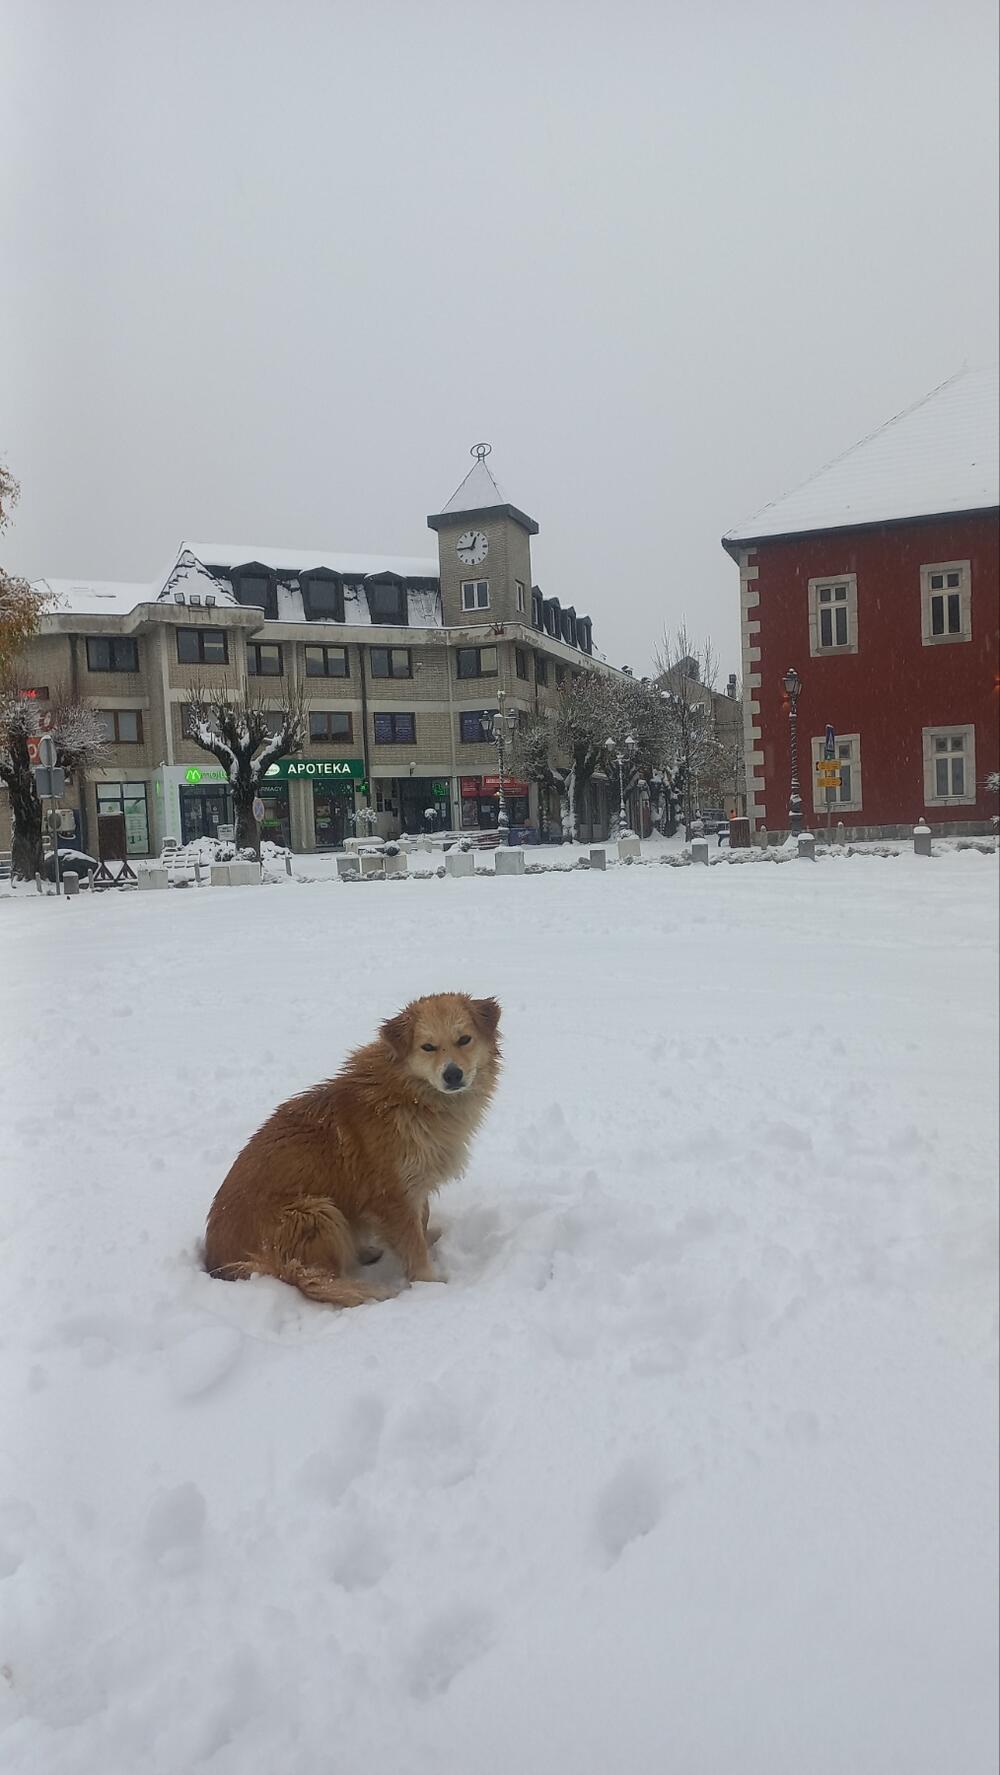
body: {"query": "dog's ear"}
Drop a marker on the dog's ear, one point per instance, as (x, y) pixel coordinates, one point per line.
(398, 1032)
(487, 1013)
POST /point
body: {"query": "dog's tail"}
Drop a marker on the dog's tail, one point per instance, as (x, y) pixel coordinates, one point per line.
(309, 1279)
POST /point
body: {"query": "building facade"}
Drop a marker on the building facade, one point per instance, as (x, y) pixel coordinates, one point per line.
(396, 661)
(879, 582)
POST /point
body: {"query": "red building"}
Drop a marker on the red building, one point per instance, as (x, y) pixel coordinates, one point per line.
(878, 580)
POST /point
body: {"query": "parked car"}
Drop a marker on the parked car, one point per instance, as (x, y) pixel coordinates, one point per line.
(69, 858)
(712, 818)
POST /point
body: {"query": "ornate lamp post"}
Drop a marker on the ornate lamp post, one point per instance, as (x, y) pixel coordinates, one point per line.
(497, 726)
(793, 687)
(621, 754)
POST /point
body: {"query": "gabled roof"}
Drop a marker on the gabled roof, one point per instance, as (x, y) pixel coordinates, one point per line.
(942, 455)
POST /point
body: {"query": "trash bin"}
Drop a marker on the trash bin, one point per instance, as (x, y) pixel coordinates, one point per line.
(739, 834)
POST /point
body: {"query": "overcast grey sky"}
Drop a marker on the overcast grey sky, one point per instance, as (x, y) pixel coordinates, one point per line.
(270, 270)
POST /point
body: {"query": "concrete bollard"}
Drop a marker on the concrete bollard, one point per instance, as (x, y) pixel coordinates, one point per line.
(244, 874)
(347, 867)
(921, 839)
(396, 865)
(460, 863)
(218, 875)
(598, 859)
(288, 866)
(629, 848)
(508, 862)
(807, 847)
(841, 834)
(153, 878)
(699, 850)
(762, 838)
(372, 867)
(71, 883)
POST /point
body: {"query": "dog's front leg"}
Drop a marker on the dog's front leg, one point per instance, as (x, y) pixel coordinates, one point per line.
(431, 1237)
(405, 1233)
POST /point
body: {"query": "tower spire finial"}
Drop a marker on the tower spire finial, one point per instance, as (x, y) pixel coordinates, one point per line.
(481, 451)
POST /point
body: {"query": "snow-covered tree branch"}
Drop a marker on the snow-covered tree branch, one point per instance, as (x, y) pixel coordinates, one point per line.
(246, 734)
(80, 742)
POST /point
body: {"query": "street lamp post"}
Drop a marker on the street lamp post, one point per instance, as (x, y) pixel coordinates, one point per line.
(793, 687)
(621, 754)
(497, 724)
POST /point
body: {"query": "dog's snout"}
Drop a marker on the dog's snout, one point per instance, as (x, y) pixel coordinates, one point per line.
(452, 1075)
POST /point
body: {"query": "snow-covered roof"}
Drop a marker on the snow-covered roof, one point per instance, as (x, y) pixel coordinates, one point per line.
(478, 491)
(281, 560)
(96, 597)
(941, 455)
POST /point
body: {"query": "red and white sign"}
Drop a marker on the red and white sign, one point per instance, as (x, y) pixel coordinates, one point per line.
(512, 786)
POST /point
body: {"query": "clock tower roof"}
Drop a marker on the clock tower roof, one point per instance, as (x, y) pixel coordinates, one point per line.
(480, 495)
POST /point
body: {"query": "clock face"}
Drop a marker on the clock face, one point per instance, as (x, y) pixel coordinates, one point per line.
(472, 548)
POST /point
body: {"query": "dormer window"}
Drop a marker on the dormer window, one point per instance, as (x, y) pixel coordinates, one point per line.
(584, 634)
(568, 621)
(552, 622)
(537, 614)
(322, 596)
(386, 599)
(255, 587)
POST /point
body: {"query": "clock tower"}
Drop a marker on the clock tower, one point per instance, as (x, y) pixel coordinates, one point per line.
(484, 552)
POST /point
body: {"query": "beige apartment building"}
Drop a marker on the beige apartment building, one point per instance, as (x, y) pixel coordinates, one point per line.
(396, 659)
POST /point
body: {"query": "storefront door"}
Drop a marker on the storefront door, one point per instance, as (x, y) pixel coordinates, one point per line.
(419, 795)
(332, 808)
(275, 827)
(203, 811)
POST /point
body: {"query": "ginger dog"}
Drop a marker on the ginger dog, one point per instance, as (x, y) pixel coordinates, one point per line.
(350, 1165)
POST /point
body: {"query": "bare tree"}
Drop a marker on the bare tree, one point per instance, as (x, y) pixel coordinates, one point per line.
(237, 727)
(80, 742)
(21, 604)
(686, 674)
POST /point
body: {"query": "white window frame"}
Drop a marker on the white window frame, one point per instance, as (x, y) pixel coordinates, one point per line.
(850, 580)
(967, 731)
(855, 801)
(519, 594)
(927, 593)
(473, 585)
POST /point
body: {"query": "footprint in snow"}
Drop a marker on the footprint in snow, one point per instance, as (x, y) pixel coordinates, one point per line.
(329, 1472)
(175, 1528)
(199, 1361)
(449, 1643)
(629, 1507)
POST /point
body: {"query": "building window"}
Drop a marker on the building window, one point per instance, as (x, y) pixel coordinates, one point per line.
(112, 653)
(258, 591)
(330, 724)
(476, 662)
(833, 615)
(470, 727)
(847, 797)
(519, 595)
(537, 609)
(521, 662)
(263, 659)
(541, 669)
(949, 766)
(560, 677)
(327, 662)
(386, 601)
(121, 727)
(202, 647)
(273, 720)
(128, 800)
(946, 602)
(395, 730)
(322, 598)
(475, 594)
(391, 662)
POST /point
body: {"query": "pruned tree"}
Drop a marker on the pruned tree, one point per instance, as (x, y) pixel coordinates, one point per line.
(21, 604)
(80, 742)
(234, 724)
(686, 674)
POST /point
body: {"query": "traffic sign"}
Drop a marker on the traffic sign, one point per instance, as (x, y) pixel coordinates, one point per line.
(830, 743)
(258, 809)
(50, 783)
(47, 752)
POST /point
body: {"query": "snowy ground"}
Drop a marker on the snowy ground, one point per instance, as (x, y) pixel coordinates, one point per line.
(690, 1468)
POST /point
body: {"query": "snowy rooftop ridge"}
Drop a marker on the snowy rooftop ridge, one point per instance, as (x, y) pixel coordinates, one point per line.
(282, 560)
(940, 455)
(96, 597)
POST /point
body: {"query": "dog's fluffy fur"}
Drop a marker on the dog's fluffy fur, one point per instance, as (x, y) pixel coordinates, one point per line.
(350, 1165)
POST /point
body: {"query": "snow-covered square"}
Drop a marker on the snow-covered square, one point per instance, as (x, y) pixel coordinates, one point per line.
(689, 1468)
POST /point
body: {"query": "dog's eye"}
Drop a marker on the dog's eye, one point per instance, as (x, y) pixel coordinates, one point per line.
(428, 1047)
(463, 1041)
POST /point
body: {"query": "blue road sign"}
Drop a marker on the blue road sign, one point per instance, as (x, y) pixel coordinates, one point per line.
(830, 743)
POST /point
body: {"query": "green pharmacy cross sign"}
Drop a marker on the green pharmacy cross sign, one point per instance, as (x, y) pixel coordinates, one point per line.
(315, 770)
